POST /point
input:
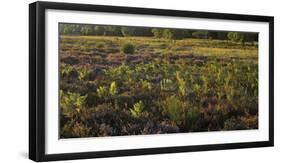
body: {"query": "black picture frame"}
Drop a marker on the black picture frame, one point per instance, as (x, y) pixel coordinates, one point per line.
(37, 80)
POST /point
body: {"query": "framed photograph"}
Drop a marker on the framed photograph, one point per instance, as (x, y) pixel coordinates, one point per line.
(111, 81)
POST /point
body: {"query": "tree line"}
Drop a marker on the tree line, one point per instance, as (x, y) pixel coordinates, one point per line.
(167, 33)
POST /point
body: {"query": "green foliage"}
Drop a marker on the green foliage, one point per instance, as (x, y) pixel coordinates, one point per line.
(175, 34)
(113, 31)
(100, 30)
(181, 84)
(137, 109)
(236, 37)
(71, 104)
(192, 114)
(157, 32)
(146, 85)
(87, 30)
(167, 54)
(100, 45)
(127, 31)
(136, 31)
(250, 37)
(167, 33)
(166, 84)
(200, 34)
(128, 48)
(113, 88)
(65, 69)
(121, 72)
(173, 107)
(187, 33)
(83, 72)
(67, 29)
(102, 92)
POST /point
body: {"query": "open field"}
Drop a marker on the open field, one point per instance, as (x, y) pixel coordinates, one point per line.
(161, 86)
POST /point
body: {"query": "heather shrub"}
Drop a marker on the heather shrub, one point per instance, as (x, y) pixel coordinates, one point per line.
(128, 48)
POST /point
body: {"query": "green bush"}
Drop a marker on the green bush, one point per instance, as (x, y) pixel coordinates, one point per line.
(100, 45)
(128, 48)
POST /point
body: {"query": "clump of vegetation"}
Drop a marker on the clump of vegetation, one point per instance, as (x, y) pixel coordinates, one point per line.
(175, 34)
(128, 48)
(113, 88)
(100, 45)
(102, 92)
(181, 84)
(191, 117)
(71, 104)
(83, 73)
(66, 70)
(157, 32)
(174, 108)
(146, 85)
(137, 109)
(166, 84)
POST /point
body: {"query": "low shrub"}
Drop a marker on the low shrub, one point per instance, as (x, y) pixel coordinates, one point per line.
(100, 45)
(128, 48)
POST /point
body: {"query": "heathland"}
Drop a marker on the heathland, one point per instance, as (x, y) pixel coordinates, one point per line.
(114, 86)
